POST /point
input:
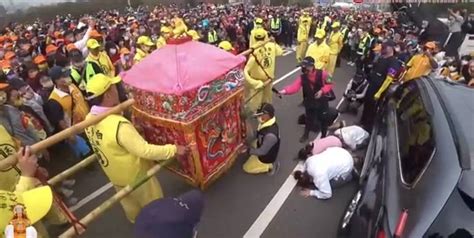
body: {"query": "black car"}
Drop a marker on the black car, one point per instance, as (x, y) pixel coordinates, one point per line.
(418, 175)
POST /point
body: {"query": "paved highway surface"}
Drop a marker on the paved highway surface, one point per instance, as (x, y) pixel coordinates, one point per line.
(238, 204)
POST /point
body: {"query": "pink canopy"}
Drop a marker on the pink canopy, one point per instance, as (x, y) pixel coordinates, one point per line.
(175, 69)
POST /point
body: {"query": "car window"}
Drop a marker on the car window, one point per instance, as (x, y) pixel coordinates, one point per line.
(415, 133)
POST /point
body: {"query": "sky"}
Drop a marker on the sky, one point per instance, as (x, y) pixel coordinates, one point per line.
(13, 5)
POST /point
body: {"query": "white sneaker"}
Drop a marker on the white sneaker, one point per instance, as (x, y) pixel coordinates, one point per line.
(67, 193)
(68, 183)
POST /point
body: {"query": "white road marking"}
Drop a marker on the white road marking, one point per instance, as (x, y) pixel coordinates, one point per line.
(272, 208)
(106, 187)
(287, 53)
(285, 76)
(91, 197)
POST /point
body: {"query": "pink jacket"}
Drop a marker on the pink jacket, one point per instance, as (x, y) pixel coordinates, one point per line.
(320, 145)
(296, 85)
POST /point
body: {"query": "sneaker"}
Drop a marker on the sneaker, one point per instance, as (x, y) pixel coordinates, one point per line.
(67, 193)
(274, 170)
(349, 62)
(71, 201)
(68, 183)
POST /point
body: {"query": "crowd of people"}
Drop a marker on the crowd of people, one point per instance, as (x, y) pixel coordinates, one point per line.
(57, 73)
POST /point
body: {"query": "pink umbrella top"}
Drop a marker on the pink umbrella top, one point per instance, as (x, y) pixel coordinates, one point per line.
(177, 68)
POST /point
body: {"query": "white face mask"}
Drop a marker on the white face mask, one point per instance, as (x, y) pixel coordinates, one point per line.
(452, 68)
(464, 62)
(113, 51)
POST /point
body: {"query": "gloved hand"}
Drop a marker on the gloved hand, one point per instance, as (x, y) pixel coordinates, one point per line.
(282, 92)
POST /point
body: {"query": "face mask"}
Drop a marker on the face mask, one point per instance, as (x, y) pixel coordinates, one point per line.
(452, 68)
(464, 62)
(113, 51)
(260, 120)
(397, 49)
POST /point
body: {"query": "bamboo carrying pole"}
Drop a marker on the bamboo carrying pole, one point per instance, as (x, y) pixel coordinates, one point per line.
(71, 131)
(72, 170)
(94, 214)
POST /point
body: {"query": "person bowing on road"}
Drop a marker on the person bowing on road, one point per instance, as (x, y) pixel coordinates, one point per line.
(331, 168)
(124, 155)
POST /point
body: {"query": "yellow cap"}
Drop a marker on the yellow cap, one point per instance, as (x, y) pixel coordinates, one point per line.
(225, 45)
(336, 24)
(93, 44)
(99, 84)
(145, 40)
(320, 33)
(165, 29)
(260, 33)
(258, 20)
(36, 203)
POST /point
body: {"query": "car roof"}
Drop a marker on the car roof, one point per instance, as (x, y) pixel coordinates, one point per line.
(458, 100)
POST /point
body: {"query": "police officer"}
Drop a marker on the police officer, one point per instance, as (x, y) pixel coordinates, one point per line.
(124, 155)
(386, 66)
(263, 156)
(316, 85)
(276, 27)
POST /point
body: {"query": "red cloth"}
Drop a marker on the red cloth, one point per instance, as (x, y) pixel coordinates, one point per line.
(296, 85)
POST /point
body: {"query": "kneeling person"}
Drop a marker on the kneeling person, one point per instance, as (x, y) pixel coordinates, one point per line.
(262, 158)
(331, 168)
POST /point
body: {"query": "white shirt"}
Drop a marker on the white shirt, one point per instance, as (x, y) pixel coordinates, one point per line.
(332, 163)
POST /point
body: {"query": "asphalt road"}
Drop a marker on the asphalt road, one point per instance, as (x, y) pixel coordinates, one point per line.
(235, 202)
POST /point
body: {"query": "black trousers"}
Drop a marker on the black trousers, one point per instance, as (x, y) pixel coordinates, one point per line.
(368, 115)
(318, 119)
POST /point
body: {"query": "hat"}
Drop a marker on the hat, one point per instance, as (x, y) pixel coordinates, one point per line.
(124, 51)
(266, 108)
(70, 46)
(225, 45)
(51, 49)
(430, 45)
(39, 59)
(3, 86)
(9, 55)
(308, 61)
(17, 83)
(57, 72)
(95, 34)
(170, 217)
(258, 20)
(37, 203)
(144, 40)
(99, 84)
(320, 33)
(93, 44)
(336, 24)
(260, 33)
